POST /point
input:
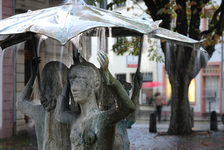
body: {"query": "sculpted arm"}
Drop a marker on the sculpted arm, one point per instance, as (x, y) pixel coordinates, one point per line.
(23, 103)
(63, 114)
(125, 105)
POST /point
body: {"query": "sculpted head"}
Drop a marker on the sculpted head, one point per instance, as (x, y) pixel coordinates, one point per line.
(85, 81)
(53, 78)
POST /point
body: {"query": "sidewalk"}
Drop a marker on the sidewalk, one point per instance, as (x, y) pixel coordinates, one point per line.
(141, 139)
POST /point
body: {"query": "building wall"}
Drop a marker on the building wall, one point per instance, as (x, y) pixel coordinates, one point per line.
(20, 122)
(7, 111)
(25, 5)
(216, 58)
(7, 92)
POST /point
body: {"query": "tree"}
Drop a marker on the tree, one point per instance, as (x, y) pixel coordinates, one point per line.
(187, 14)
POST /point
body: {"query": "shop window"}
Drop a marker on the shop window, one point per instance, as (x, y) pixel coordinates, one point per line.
(121, 4)
(214, 69)
(191, 90)
(121, 77)
(103, 4)
(147, 93)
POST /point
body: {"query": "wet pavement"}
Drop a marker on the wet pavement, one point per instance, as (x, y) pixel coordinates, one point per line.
(202, 139)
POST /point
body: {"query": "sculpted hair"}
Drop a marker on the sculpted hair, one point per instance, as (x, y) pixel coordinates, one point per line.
(53, 78)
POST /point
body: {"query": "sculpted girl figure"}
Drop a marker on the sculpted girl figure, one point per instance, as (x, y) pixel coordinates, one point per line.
(51, 134)
(90, 129)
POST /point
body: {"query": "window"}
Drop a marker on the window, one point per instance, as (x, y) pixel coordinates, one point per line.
(212, 69)
(147, 93)
(191, 90)
(147, 77)
(121, 38)
(103, 4)
(147, 97)
(121, 77)
(121, 4)
(88, 47)
(106, 45)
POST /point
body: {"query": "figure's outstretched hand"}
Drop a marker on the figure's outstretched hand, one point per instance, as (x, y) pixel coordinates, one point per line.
(103, 60)
(35, 63)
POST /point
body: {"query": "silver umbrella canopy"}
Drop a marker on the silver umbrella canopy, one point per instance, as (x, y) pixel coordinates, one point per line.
(64, 22)
(67, 21)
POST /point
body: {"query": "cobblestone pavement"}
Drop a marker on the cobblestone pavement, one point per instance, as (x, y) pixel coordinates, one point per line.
(201, 139)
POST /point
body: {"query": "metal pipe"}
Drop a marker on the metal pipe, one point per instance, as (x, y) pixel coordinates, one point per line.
(36, 55)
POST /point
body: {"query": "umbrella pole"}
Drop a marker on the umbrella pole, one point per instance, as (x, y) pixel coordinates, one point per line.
(36, 55)
(137, 84)
(137, 76)
(12, 40)
(140, 54)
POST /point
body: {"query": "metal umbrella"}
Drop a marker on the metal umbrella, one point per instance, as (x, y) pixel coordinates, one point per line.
(67, 21)
(64, 22)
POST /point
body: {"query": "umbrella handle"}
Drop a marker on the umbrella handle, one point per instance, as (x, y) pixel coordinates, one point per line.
(140, 54)
(36, 55)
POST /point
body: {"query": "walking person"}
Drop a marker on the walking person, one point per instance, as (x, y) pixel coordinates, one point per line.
(159, 104)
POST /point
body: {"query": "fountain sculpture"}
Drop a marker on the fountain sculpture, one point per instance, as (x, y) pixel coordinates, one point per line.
(51, 134)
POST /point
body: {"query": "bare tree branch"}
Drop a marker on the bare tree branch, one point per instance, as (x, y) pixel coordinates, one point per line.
(196, 8)
(181, 24)
(152, 8)
(215, 24)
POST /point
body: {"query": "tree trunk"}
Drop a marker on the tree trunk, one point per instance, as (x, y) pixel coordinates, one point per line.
(180, 121)
(179, 63)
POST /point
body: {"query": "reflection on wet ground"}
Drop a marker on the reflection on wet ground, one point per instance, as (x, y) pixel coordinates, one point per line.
(201, 139)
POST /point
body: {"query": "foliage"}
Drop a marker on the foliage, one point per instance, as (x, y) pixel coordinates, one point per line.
(153, 53)
(124, 44)
(93, 2)
(132, 46)
(190, 10)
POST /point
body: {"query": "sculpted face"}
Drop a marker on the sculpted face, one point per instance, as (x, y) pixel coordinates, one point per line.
(79, 87)
(81, 83)
(85, 80)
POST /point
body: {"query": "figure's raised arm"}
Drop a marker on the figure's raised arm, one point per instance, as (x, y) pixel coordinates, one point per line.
(125, 105)
(23, 103)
